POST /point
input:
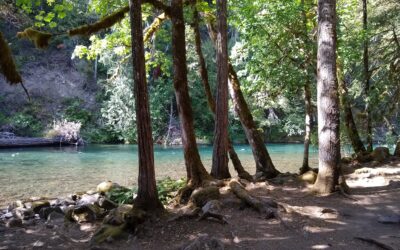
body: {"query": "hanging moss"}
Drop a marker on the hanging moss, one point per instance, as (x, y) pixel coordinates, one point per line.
(40, 39)
(7, 65)
(104, 23)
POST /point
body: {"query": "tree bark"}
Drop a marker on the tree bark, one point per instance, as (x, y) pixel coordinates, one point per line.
(308, 122)
(220, 168)
(196, 173)
(264, 165)
(242, 173)
(147, 197)
(327, 98)
(367, 77)
(351, 127)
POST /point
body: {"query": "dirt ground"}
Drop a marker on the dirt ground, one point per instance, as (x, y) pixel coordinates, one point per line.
(313, 222)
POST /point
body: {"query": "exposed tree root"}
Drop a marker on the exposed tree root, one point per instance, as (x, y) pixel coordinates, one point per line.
(253, 202)
(187, 212)
(375, 242)
(219, 217)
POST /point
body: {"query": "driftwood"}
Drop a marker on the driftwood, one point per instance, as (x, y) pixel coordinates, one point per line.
(16, 142)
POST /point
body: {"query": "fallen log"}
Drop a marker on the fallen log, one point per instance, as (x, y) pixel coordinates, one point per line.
(17, 142)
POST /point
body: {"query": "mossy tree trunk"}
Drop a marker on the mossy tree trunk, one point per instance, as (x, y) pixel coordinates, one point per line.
(327, 99)
(147, 197)
(351, 127)
(220, 168)
(196, 172)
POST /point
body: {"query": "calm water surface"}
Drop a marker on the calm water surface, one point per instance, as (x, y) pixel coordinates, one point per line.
(60, 171)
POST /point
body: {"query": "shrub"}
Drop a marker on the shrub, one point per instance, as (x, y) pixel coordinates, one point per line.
(74, 111)
(168, 188)
(26, 124)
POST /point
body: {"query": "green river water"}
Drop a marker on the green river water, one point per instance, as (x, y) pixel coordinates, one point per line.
(56, 172)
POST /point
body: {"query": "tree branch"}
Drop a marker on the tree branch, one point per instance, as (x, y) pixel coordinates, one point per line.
(159, 5)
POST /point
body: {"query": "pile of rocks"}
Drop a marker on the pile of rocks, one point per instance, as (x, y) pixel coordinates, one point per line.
(85, 207)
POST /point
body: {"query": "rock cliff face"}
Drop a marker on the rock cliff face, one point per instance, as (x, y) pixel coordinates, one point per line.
(50, 77)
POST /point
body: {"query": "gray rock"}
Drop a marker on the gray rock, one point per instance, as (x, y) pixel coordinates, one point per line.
(24, 213)
(7, 215)
(205, 242)
(37, 205)
(106, 203)
(28, 223)
(67, 202)
(45, 211)
(212, 206)
(87, 213)
(14, 222)
(87, 199)
(55, 216)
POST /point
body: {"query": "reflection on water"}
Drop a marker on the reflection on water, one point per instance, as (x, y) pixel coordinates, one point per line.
(60, 171)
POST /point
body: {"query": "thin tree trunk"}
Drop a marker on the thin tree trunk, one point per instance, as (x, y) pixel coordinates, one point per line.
(171, 116)
(264, 166)
(307, 94)
(351, 127)
(367, 77)
(147, 197)
(308, 122)
(327, 99)
(196, 172)
(95, 69)
(210, 100)
(389, 125)
(220, 168)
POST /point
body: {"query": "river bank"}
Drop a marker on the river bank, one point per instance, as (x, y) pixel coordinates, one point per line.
(368, 215)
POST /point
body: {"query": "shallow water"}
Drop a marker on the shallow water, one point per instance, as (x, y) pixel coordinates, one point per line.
(59, 171)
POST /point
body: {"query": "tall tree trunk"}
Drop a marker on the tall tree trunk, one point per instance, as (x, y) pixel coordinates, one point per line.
(351, 127)
(264, 166)
(367, 77)
(196, 172)
(147, 197)
(220, 168)
(308, 122)
(210, 100)
(327, 99)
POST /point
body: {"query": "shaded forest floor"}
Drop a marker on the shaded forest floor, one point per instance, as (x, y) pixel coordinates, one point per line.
(331, 222)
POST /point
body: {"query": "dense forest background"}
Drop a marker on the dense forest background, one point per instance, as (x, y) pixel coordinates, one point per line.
(272, 45)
